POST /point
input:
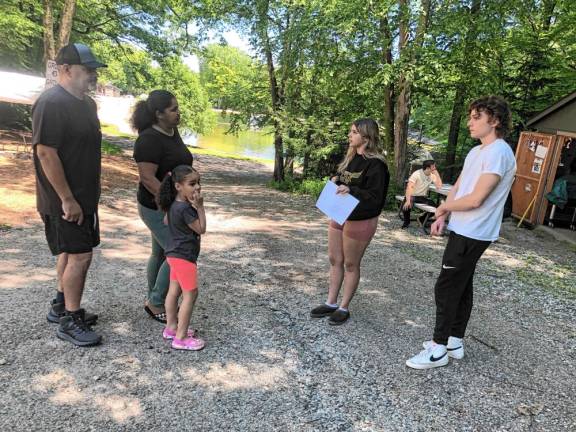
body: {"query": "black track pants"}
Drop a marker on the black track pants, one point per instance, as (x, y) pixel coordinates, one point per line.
(454, 289)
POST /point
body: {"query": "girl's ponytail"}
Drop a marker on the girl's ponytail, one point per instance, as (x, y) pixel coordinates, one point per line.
(167, 193)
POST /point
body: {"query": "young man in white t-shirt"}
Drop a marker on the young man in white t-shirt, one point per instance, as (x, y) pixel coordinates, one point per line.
(476, 204)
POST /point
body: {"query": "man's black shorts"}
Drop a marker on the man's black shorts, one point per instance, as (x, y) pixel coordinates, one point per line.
(69, 237)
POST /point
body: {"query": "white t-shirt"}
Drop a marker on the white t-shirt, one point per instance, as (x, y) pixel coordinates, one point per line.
(484, 222)
(421, 182)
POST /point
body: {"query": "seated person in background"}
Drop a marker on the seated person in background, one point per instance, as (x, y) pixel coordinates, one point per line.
(417, 189)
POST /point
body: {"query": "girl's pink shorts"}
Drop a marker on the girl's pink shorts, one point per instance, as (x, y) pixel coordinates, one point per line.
(362, 230)
(183, 271)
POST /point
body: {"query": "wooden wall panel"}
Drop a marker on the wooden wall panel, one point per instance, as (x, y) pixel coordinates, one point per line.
(535, 154)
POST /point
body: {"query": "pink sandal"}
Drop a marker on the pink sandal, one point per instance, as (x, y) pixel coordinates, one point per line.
(190, 344)
(170, 334)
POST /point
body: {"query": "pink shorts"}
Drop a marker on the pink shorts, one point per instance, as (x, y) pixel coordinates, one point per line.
(362, 230)
(184, 272)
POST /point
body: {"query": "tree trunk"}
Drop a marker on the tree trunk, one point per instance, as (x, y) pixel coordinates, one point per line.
(274, 91)
(401, 130)
(66, 22)
(403, 102)
(461, 93)
(388, 109)
(306, 162)
(455, 120)
(48, 23)
(290, 155)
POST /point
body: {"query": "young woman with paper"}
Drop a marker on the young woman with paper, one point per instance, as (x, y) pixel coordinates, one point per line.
(363, 174)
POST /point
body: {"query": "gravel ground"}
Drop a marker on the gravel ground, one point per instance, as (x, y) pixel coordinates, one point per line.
(267, 365)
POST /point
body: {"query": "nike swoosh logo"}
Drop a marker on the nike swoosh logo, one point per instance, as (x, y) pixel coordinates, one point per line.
(453, 349)
(434, 359)
(445, 267)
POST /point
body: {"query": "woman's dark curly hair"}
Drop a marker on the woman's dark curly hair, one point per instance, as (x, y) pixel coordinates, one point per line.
(144, 115)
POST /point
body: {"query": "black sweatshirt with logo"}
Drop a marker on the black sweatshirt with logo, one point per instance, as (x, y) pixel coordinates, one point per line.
(368, 180)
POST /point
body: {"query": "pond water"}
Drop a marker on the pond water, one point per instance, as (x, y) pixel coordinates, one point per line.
(251, 143)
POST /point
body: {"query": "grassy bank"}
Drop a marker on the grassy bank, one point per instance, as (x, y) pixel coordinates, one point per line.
(312, 187)
(218, 153)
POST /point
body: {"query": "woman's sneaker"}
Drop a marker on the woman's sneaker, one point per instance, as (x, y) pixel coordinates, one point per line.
(455, 347)
(339, 317)
(322, 311)
(190, 344)
(170, 334)
(433, 356)
(73, 328)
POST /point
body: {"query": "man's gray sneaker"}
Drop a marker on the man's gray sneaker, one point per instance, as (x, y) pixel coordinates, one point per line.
(57, 311)
(73, 328)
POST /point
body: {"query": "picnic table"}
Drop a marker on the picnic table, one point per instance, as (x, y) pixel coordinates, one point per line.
(444, 190)
(427, 209)
(18, 138)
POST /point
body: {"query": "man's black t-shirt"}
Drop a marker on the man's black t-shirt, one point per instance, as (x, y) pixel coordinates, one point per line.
(183, 242)
(70, 125)
(368, 180)
(165, 151)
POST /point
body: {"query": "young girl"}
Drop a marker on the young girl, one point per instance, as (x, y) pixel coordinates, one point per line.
(363, 174)
(180, 197)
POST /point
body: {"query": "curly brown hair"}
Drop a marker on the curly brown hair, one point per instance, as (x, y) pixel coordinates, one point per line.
(497, 109)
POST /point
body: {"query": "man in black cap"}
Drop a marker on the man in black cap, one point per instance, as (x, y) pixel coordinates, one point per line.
(67, 140)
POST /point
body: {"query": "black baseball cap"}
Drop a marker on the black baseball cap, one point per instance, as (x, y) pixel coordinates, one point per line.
(78, 54)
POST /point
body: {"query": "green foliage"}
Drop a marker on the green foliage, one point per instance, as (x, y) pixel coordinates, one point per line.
(24, 32)
(176, 77)
(129, 68)
(312, 187)
(133, 71)
(327, 62)
(109, 148)
(233, 80)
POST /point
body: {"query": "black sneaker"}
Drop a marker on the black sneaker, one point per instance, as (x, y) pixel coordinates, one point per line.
(57, 311)
(339, 317)
(73, 328)
(322, 311)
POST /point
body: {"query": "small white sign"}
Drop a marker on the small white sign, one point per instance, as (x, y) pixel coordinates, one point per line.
(336, 207)
(541, 152)
(51, 74)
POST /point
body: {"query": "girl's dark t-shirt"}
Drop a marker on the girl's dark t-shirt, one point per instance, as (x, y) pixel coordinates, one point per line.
(183, 242)
(368, 180)
(165, 151)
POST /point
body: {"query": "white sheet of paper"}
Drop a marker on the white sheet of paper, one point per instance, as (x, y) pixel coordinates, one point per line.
(336, 207)
(541, 152)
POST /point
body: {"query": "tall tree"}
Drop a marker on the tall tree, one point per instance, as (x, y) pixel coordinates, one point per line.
(262, 24)
(408, 51)
(462, 86)
(52, 44)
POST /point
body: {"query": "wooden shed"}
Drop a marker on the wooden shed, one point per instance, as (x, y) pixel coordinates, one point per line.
(542, 156)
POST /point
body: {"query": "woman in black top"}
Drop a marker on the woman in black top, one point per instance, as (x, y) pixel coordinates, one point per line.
(363, 174)
(158, 149)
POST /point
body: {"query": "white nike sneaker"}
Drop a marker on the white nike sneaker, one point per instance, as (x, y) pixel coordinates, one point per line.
(455, 347)
(433, 356)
